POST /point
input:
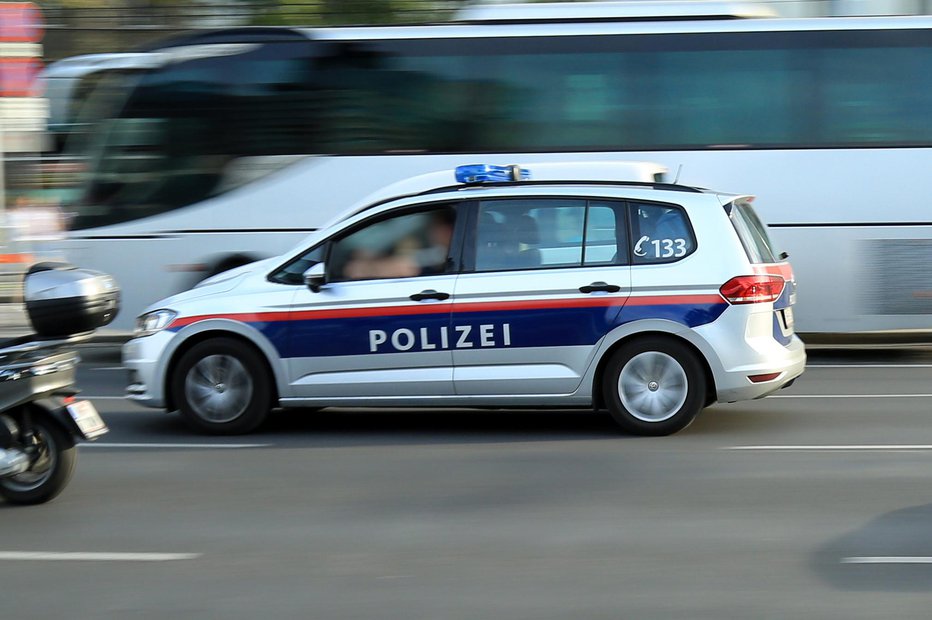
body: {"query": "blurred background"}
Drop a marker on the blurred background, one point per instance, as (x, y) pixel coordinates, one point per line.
(167, 142)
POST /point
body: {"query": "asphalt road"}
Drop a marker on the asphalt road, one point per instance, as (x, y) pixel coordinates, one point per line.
(814, 504)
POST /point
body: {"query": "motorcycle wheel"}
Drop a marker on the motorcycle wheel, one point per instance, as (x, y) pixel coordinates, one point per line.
(51, 468)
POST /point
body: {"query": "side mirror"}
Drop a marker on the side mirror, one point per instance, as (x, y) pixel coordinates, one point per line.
(316, 277)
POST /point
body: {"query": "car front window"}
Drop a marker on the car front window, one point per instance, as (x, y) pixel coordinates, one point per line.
(404, 246)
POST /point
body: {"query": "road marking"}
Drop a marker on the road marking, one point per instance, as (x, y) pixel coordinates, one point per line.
(827, 448)
(851, 396)
(888, 559)
(199, 446)
(81, 556)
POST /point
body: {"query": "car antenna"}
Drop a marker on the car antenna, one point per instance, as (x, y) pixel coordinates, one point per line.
(679, 169)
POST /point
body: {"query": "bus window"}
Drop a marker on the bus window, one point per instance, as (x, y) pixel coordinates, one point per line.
(864, 101)
(216, 123)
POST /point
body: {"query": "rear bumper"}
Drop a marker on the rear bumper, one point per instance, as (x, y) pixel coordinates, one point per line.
(734, 385)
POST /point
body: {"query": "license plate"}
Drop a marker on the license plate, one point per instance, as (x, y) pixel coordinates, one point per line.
(86, 417)
(788, 319)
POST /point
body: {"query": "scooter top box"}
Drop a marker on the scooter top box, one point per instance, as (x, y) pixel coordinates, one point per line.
(62, 300)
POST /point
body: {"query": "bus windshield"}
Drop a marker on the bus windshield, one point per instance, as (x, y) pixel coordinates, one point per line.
(97, 96)
(196, 128)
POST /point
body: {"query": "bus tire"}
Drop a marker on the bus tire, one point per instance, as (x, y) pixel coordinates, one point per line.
(228, 263)
(654, 386)
(222, 387)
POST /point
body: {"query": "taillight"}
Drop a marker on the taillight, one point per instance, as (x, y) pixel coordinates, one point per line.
(770, 376)
(752, 289)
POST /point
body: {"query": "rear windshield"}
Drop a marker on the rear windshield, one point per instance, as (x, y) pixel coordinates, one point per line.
(753, 233)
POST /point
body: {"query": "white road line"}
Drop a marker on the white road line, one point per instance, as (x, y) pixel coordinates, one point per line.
(828, 448)
(199, 446)
(888, 559)
(926, 395)
(81, 556)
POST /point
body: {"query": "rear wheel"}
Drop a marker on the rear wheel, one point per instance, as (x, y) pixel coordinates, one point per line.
(52, 459)
(222, 387)
(654, 386)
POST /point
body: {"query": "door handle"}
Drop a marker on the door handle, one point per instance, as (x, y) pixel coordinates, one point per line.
(600, 287)
(429, 294)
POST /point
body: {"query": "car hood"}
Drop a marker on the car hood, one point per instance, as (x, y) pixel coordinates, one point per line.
(220, 283)
(235, 273)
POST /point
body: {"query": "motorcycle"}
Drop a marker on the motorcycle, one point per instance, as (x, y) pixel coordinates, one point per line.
(41, 418)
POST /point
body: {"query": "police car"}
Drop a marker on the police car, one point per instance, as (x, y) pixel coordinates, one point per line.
(491, 286)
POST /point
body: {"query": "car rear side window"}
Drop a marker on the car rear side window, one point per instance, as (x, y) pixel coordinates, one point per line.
(660, 233)
(606, 234)
(529, 234)
(753, 233)
(549, 232)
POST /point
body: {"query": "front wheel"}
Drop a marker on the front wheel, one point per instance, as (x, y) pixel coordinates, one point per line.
(654, 386)
(221, 387)
(52, 460)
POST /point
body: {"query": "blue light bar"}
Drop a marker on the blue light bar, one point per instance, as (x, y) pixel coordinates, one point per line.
(487, 173)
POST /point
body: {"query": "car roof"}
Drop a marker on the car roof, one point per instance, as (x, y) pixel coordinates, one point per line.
(659, 193)
(595, 179)
(551, 173)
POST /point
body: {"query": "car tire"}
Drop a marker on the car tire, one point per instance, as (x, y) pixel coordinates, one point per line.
(222, 387)
(654, 386)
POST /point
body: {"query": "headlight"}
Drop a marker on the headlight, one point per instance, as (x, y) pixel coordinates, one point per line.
(152, 322)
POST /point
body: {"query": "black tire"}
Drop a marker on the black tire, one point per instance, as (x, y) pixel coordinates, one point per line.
(230, 263)
(674, 390)
(248, 405)
(40, 485)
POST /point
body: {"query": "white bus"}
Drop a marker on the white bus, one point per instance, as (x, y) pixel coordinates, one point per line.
(236, 143)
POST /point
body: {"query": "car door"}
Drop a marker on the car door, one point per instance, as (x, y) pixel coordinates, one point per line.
(544, 280)
(379, 326)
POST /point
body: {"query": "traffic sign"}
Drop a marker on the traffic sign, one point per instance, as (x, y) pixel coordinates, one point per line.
(20, 22)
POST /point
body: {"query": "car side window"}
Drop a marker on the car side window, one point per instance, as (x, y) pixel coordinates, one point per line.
(606, 234)
(660, 233)
(403, 246)
(529, 234)
(550, 232)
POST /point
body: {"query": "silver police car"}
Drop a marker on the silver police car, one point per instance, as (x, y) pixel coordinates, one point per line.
(494, 287)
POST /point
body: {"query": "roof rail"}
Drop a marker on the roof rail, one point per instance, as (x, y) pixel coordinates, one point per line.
(672, 187)
(614, 11)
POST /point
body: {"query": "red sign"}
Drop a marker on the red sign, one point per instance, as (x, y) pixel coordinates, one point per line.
(18, 77)
(20, 22)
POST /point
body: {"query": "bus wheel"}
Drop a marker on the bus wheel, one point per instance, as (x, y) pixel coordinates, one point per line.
(654, 386)
(221, 387)
(231, 262)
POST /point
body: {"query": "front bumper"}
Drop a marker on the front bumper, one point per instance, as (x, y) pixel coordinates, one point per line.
(146, 361)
